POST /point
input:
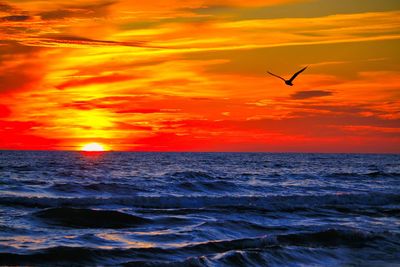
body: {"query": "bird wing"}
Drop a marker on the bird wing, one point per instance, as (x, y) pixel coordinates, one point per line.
(276, 76)
(297, 73)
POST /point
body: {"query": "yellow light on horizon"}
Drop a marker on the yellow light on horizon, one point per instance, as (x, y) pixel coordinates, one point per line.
(93, 147)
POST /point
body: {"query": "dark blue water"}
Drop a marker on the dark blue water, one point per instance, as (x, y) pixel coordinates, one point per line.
(199, 209)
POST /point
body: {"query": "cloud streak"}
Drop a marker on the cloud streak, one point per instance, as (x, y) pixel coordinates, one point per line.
(310, 94)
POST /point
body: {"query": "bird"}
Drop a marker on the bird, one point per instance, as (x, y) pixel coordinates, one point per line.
(290, 81)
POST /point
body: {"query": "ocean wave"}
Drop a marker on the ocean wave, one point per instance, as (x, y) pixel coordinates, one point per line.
(330, 238)
(280, 248)
(111, 188)
(89, 218)
(22, 168)
(80, 256)
(383, 174)
(318, 238)
(87, 255)
(393, 210)
(272, 202)
(55, 256)
(191, 175)
(206, 187)
(372, 174)
(290, 203)
(233, 225)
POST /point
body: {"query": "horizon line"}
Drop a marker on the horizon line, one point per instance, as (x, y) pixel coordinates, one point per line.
(172, 151)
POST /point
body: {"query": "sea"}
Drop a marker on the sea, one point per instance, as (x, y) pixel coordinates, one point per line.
(199, 209)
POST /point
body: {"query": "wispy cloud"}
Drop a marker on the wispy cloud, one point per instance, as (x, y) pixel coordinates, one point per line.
(310, 94)
(113, 78)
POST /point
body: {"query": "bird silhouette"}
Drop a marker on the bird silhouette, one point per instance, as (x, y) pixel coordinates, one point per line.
(290, 81)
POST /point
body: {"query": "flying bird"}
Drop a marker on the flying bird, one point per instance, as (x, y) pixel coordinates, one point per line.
(290, 81)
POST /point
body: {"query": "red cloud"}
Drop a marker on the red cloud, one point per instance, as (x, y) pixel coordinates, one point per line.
(113, 78)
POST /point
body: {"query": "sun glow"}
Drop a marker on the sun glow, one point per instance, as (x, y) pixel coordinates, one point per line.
(93, 147)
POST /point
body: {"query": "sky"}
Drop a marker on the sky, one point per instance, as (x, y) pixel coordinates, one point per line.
(171, 75)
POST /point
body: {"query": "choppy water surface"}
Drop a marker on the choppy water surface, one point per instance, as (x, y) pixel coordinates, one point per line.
(199, 209)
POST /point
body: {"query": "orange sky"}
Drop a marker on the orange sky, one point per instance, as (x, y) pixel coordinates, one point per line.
(191, 75)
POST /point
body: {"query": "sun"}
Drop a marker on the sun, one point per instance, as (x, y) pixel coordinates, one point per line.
(93, 147)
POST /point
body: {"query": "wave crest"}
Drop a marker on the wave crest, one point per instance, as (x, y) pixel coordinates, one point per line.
(89, 218)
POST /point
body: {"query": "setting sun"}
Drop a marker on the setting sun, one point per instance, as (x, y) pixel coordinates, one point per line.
(93, 147)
